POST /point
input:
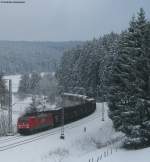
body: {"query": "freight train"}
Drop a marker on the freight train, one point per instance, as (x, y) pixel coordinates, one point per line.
(38, 121)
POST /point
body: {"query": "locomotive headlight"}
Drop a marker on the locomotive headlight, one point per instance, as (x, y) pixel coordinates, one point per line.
(27, 126)
(20, 126)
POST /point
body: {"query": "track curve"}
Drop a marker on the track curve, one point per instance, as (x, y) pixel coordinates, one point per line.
(18, 140)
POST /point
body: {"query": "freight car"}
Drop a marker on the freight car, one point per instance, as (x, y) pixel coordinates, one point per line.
(39, 121)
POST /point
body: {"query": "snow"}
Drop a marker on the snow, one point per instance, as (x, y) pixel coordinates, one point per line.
(119, 156)
(15, 81)
(80, 145)
(75, 95)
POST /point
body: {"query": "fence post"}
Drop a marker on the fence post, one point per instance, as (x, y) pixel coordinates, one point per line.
(92, 159)
(98, 159)
(101, 157)
(107, 151)
(104, 153)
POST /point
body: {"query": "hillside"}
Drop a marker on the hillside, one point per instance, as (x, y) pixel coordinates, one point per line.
(22, 56)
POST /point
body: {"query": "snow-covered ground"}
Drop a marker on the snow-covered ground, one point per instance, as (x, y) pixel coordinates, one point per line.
(78, 146)
(77, 143)
(15, 81)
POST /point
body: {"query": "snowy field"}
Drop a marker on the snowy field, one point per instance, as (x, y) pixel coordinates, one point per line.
(78, 146)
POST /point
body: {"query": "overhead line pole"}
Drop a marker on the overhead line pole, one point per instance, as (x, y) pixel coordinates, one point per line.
(62, 136)
(10, 109)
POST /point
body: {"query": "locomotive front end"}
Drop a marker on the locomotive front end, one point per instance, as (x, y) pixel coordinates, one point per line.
(23, 125)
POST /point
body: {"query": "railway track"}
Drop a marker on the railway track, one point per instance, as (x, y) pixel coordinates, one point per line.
(18, 140)
(5, 140)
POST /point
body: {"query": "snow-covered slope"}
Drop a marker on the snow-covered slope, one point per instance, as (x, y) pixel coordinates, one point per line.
(78, 146)
(52, 148)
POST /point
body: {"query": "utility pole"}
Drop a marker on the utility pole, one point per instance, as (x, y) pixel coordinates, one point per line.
(44, 103)
(10, 108)
(103, 109)
(103, 106)
(62, 136)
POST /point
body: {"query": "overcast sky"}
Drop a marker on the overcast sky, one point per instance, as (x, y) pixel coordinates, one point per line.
(63, 20)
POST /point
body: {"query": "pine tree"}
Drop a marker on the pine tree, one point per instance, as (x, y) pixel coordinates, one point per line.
(67, 73)
(48, 87)
(33, 106)
(129, 98)
(24, 85)
(34, 82)
(81, 68)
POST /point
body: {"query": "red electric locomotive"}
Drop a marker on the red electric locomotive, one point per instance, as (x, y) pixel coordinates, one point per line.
(34, 122)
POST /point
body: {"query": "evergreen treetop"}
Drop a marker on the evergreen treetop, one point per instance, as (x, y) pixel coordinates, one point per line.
(129, 98)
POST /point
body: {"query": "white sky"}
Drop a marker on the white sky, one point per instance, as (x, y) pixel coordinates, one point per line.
(63, 20)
